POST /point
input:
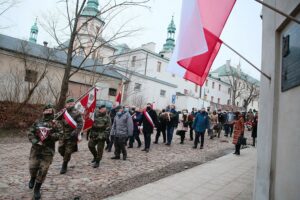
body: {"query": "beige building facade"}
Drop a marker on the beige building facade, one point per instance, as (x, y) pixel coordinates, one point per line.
(278, 164)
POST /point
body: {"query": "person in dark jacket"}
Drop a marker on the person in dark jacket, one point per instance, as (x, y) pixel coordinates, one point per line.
(191, 118)
(162, 126)
(201, 123)
(136, 117)
(172, 123)
(149, 121)
(110, 139)
(254, 128)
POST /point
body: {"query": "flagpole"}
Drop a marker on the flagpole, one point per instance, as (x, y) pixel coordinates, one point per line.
(63, 110)
(250, 63)
(278, 11)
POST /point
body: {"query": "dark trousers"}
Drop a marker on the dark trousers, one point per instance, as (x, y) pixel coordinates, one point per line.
(119, 143)
(97, 153)
(147, 138)
(182, 136)
(111, 143)
(163, 131)
(197, 136)
(253, 140)
(237, 149)
(135, 136)
(191, 132)
(231, 129)
(170, 131)
(226, 129)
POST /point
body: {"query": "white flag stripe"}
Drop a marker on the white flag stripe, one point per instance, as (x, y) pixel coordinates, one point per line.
(191, 39)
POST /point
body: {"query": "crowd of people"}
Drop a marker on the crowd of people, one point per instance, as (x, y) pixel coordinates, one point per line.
(121, 127)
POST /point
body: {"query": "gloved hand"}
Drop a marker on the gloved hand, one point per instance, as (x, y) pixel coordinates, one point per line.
(74, 134)
(34, 141)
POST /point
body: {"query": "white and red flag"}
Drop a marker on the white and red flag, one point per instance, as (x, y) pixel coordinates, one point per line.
(198, 43)
(86, 106)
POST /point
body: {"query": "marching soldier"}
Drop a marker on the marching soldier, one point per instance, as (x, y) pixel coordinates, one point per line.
(72, 124)
(43, 135)
(98, 134)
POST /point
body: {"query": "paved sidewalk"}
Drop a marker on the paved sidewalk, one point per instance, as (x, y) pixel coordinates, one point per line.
(228, 177)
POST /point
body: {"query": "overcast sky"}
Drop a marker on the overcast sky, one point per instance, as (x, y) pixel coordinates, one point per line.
(242, 31)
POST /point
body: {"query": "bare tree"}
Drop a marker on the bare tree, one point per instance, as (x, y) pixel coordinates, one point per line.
(138, 101)
(91, 47)
(236, 82)
(5, 5)
(251, 94)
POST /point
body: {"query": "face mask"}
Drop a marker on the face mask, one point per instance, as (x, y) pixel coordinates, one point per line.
(119, 113)
(148, 107)
(126, 109)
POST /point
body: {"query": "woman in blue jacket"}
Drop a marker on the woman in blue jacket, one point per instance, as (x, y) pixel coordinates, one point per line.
(201, 123)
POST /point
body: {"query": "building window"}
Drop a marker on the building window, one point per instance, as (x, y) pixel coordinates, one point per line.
(112, 92)
(213, 85)
(173, 75)
(81, 51)
(196, 88)
(205, 97)
(186, 92)
(206, 83)
(212, 99)
(31, 75)
(137, 87)
(219, 100)
(133, 61)
(158, 66)
(237, 104)
(162, 93)
(219, 87)
(228, 102)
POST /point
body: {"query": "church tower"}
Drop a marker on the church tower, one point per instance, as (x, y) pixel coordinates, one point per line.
(34, 32)
(170, 42)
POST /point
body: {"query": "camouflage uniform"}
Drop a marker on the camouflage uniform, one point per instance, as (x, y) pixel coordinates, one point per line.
(98, 134)
(68, 140)
(41, 154)
(42, 151)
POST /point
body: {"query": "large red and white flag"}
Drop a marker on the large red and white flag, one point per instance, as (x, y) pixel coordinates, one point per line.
(86, 106)
(198, 43)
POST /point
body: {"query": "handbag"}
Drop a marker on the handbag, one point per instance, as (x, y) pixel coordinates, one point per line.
(242, 140)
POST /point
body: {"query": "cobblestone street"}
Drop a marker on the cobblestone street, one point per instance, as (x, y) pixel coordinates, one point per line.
(85, 182)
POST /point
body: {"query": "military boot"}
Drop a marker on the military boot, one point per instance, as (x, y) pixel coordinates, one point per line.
(94, 160)
(37, 193)
(96, 164)
(31, 182)
(64, 168)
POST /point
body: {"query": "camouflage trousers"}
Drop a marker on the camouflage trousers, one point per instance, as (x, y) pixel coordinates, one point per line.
(39, 164)
(100, 143)
(66, 148)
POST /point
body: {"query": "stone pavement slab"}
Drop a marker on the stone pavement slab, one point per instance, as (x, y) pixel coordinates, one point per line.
(229, 177)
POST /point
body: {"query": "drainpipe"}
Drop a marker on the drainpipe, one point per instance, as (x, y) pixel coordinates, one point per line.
(146, 64)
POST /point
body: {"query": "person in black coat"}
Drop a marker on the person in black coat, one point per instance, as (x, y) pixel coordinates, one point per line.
(172, 123)
(254, 128)
(149, 120)
(162, 126)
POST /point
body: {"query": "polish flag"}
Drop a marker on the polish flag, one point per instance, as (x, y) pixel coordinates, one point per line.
(198, 43)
